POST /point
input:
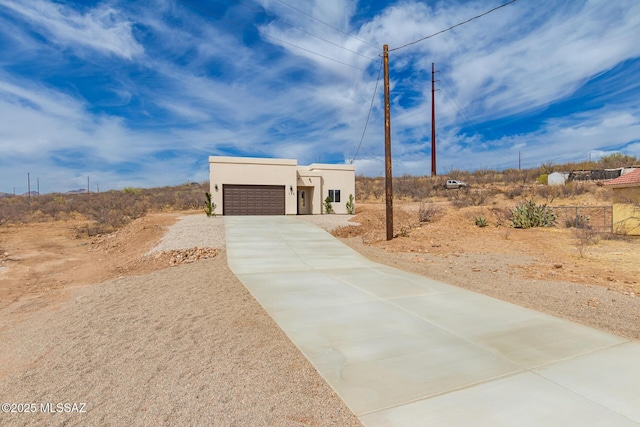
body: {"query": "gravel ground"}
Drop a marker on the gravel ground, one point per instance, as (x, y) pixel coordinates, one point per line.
(208, 232)
(183, 346)
(189, 345)
(192, 231)
(329, 222)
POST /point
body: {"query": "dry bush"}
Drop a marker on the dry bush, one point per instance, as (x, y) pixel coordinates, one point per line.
(108, 211)
(428, 212)
(514, 192)
(586, 237)
(519, 176)
(460, 175)
(483, 176)
(413, 187)
(502, 216)
(14, 210)
(367, 188)
(463, 198)
(364, 187)
(548, 192)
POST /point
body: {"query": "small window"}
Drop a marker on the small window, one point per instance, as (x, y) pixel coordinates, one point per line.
(334, 195)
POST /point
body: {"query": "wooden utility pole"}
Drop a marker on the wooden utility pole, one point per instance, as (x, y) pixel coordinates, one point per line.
(433, 119)
(387, 145)
(28, 185)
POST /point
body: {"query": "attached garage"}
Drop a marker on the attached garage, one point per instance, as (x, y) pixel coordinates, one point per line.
(258, 186)
(253, 199)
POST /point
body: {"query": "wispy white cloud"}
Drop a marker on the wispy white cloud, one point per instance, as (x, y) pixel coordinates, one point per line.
(162, 85)
(101, 29)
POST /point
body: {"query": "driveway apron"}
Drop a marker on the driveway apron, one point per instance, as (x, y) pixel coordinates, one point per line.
(404, 350)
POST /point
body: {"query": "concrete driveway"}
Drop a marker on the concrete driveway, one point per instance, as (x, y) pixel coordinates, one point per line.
(404, 350)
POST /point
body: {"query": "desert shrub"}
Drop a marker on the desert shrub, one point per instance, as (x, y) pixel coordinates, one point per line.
(549, 192)
(547, 168)
(109, 210)
(428, 212)
(328, 207)
(350, 205)
(412, 187)
(579, 221)
(364, 187)
(209, 206)
(465, 197)
(481, 221)
(14, 209)
(513, 176)
(586, 237)
(543, 179)
(54, 206)
(617, 160)
(528, 214)
(131, 190)
(483, 176)
(502, 215)
(514, 192)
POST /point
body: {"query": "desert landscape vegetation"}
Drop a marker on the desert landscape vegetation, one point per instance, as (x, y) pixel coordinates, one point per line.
(88, 313)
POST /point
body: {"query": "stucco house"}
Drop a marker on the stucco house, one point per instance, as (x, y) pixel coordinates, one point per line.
(259, 186)
(626, 203)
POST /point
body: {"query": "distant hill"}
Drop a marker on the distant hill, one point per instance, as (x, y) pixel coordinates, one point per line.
(78, 191)
(3, 195)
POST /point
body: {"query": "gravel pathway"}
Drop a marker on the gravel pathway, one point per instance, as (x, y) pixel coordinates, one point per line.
(208, 232)
(193, 231)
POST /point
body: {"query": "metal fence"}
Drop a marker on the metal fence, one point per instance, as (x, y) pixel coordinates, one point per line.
(598, 217)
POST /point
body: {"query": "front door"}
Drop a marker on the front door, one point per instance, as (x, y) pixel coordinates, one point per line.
(303, 201)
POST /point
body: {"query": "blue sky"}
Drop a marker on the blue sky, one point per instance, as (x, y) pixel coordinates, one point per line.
(140, 93)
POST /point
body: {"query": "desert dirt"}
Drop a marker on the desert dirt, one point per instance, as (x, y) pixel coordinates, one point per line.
(174, 338)
(167, 338)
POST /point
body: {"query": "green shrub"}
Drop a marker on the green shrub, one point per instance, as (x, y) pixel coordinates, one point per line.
(543, 179)
(481, 221)
(528, 214)
(351, 207)
(131, 190)
(328, 207)
(209, 206)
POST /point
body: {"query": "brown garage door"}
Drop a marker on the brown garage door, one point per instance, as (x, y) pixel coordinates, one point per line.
(253, 199)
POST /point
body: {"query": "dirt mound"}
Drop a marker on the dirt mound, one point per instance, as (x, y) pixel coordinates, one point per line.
(548, 253)
(372, 222)
(43, 259)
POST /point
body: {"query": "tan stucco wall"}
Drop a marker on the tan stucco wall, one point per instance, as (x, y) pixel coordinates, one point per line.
(336, 177)
(258, 171)
(253, 171)
(312, 179)
(626, 210)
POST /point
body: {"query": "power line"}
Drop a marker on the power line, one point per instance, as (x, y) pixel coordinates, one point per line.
(303, 30)
(369, 114)
(452, 27)
(274, 38)
(329, 25)
(457, 105)
(310, 51)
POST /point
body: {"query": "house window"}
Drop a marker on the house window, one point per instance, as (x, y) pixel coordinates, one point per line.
(334, 195)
